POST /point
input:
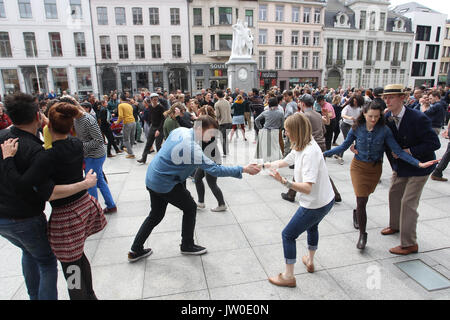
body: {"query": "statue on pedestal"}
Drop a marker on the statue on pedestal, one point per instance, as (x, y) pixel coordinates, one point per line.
(242, 45)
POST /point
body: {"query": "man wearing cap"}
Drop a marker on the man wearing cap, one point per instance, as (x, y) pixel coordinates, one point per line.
(413, 132)
(156, 115)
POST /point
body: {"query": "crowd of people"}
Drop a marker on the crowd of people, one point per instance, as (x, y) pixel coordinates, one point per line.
(296, 128)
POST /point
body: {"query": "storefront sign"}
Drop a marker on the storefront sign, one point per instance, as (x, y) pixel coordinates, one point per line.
(268, 75)
(214, 66)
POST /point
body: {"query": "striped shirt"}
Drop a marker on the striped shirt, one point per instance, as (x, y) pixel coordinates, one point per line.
(89, 133)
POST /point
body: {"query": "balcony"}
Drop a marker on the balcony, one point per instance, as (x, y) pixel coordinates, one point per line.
(369, 63)
(395, 63)
(335, 62)
(219, 54)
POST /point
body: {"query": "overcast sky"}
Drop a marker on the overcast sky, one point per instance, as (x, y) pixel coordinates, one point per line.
(442, 6)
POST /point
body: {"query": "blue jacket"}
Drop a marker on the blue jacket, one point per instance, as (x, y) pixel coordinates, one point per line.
(437, 113)
(370, 145)
(417, 135)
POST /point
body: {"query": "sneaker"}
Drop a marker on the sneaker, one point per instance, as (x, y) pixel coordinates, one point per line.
(201, 205)
(192, 250)
(133, 256)
(130, 156)
(219, 209)
(110, 210)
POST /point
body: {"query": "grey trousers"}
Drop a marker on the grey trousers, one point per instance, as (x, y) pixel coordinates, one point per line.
(404, 196)
(443, 164)
(129, 131)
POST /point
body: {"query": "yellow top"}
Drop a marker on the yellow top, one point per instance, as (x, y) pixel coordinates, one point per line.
(125, 113)
(47, 138)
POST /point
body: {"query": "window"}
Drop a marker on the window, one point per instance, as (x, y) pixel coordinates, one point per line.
(158, 81)
(294, 60)
(176, 46)
(432, 52)
(137, 16)
(438, 34)
(197, 16)
(418, 69)
(225, 15)
(198, 43)
(237, 13)
(382, 21)
(295, 14)
(25, 9)
(139, 45)
(120, 16)
(156, 47)
(55, 44)
(278, 60)
(402, 77)
(394, 76)
(249, 18)
(405, 51)
(11, 80)
(305, 60)
(340, 50)
(360, 50)
(30, 44)
(102, 16)
(372, 20)
(366, 78)
(2, 9)
(212, 19)
(262, 60)
(5, 45)
(306, 35)
(316, 39)
(385, 75)
(362, 20)
(416, 56)
(154, 16)
(174, 16)
(225, 41)
(330, 44)
(379, 50)
(317, 15)
(263, 12)
(262, 36)
(377, 78)
(396, 51)
(80, 44)
(279, 37)
(51, 11)
(348, 77)
(199, 73)
(306, 15)
(60, 79)
(294, 38)
(387, 52)
(315, 60)
(84, 79)
(358, 77)
(105, 47)
(279, 13)
(213, 42)
(75, 9)
(350, 49)
(122, 41)
(199, 84)
(423, 33)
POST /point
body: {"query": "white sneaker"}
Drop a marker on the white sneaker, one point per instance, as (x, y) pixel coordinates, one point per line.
(201, 205)
(219, 209)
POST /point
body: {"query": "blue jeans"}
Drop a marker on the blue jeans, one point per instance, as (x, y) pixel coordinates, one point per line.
(97, 166)
(38, 261)
(303, 220)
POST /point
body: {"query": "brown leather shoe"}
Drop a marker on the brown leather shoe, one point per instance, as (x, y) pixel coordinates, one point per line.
(388, 231)
(279, 281)
(309, 267)
(439, 178)
(404, 250)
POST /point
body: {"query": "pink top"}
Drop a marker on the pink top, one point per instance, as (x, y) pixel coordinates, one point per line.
(329, 109)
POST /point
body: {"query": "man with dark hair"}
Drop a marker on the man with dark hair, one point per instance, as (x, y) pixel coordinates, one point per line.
(223, 114)
(256, 107)
(22, 218)
(437, 111)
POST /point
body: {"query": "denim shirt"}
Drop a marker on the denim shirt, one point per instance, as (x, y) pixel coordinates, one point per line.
(370, 145)
(178, 158)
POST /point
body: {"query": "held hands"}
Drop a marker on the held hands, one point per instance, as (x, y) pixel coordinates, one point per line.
(429, 163)
(90, 179)
(252, 169)
(353, 149)
(10, 147)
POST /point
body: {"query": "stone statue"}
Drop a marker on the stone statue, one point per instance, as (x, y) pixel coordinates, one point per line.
(242, 45)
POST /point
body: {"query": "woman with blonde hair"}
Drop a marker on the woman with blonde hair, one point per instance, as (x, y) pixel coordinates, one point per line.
(316, 194)
(193, 107)
(238, 109)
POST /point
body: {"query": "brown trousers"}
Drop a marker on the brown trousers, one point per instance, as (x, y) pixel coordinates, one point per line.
(404, 196)
(248, 118)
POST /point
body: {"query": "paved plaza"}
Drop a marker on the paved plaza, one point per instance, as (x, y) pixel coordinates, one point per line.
(244, 243)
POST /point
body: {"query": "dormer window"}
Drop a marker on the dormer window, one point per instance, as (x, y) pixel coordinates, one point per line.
(342, 20)
(399, 25)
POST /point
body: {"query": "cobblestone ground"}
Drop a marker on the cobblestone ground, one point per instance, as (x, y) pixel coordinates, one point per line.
(244, 243)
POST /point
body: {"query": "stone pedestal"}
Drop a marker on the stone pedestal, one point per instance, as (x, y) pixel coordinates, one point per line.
(242, 74)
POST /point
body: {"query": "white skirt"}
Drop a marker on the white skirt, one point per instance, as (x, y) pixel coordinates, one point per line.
(268, 147)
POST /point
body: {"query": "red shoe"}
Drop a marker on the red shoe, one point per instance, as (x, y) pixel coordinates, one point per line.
(110, 210)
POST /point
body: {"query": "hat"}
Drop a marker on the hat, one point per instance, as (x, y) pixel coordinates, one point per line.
(378, 91)
(392, 89)
(308, 99)
(154, 95)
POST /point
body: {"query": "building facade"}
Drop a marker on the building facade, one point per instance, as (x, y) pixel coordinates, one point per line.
(429, 26)
(290, 43)
(141, 44)
(444, 68)
(211, 37)
(367, 45)
(48, 38)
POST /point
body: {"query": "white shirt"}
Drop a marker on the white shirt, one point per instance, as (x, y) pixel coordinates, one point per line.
(350, 111)
(400, 117)
(309, 166)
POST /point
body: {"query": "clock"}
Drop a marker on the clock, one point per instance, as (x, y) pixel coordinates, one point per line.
(242, 74)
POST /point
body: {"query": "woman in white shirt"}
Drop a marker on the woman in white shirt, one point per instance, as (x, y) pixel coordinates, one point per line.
(316, 194)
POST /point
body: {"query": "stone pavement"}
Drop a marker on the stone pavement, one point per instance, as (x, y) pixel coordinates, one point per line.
(244, 243)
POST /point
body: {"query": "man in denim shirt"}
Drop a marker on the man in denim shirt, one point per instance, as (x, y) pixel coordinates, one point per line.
(178, 158)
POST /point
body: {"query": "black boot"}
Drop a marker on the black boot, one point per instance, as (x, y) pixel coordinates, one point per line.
(289, 196)
(355, 220)
(362, 241)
